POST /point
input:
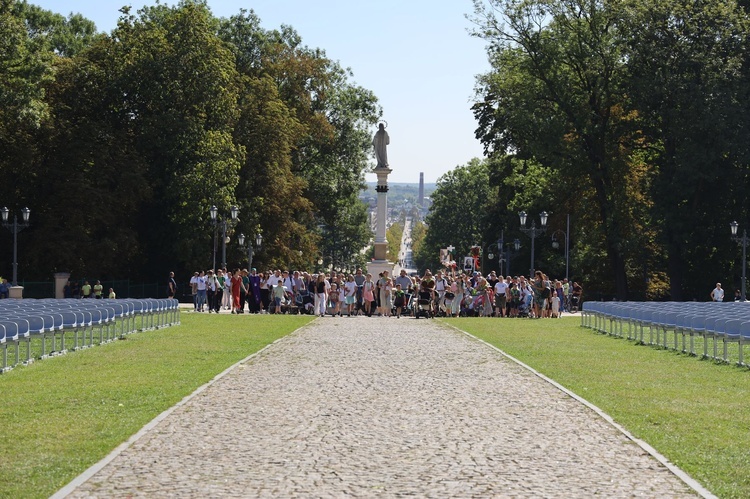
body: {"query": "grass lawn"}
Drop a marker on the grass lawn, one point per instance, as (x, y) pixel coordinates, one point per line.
(62, 415)
(694, 412)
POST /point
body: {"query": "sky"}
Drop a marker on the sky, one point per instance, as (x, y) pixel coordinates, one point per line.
(416, 56)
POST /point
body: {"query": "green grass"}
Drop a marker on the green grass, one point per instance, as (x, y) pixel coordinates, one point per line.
(694, 412)
(62, 415)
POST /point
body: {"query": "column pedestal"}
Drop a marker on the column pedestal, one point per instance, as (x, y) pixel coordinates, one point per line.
(381, 262)
(61, 278)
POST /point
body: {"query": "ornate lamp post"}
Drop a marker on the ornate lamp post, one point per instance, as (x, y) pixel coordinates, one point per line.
(500, 256)
(226, 226)
(533, 232)
(743, 241)
(15, 228)
(556, 245)
(250, 250)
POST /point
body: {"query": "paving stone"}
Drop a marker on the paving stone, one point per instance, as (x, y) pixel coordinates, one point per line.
(376, 407)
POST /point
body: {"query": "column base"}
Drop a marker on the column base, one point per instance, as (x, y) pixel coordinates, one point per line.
(376, 267)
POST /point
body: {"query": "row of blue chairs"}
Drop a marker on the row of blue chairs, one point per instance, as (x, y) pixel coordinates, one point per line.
(713, 322)
(51, 319)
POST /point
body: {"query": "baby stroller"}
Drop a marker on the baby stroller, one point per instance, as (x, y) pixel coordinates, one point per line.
(524, 306)
(304, 302)
(424, 305)
(408, 305)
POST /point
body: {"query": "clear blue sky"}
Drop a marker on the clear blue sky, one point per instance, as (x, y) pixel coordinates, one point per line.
(415, 55)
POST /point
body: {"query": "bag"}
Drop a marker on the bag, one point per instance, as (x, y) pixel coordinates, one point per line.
(545, 293)
(449, 295)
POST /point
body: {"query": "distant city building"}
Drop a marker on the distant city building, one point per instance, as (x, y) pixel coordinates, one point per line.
(421, 189)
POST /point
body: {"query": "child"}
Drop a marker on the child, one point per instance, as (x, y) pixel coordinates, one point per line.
(278, 295)
(333, 297)
(398, 302)
(368, 294)
(350, 292)
(555, 306)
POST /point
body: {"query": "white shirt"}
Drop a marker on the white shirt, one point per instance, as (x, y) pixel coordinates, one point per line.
(717, 294)
(501, 288)
(351, 288)
(273, 281)
(201, 282)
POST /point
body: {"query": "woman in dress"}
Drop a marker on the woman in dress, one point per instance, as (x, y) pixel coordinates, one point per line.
(368, 294)
(382, 282)
(236, 289)
(350, 294)
(388, 296)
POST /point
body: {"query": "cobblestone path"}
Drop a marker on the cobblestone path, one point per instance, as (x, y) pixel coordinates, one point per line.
(375, 407)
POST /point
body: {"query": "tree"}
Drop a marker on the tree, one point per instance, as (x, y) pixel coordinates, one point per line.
(458, 215)
(323, 120)
(179, 84)
(687, 78)
(555, 94)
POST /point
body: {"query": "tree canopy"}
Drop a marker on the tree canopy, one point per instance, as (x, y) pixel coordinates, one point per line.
(121, 142)
(638, 112)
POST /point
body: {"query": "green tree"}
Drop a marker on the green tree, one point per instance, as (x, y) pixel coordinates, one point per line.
(555, 94)
(325, 141)
(63, 36)
(459, 212)
(687, 78)
(180, 86)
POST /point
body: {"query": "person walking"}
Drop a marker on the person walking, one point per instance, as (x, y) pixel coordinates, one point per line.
(211, 286)
(350, 295)
(86, 290)
(320, 295)
(718, 293)
(368, 294)
(171, 286)
(236, 289)
(219, 294)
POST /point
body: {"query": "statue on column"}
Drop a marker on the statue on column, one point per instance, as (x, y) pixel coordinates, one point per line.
(380, 141)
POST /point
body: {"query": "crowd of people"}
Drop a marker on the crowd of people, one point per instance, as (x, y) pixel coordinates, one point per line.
(451, 294)
(72, 289)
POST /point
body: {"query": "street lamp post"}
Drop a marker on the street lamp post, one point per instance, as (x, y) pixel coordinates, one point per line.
(226, 226)
(533, 232)
(250, 249)
(513, 247)
(500, 256)
(743, 241)
(15, 228)
(556, 245)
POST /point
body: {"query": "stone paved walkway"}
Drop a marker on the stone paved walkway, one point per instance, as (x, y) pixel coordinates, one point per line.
(382, 408)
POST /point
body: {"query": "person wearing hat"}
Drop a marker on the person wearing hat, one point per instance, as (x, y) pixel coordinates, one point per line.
(244, 290)
(253, 295)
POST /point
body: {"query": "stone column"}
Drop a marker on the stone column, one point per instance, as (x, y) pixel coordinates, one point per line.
(381, 262)
(60, 279)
